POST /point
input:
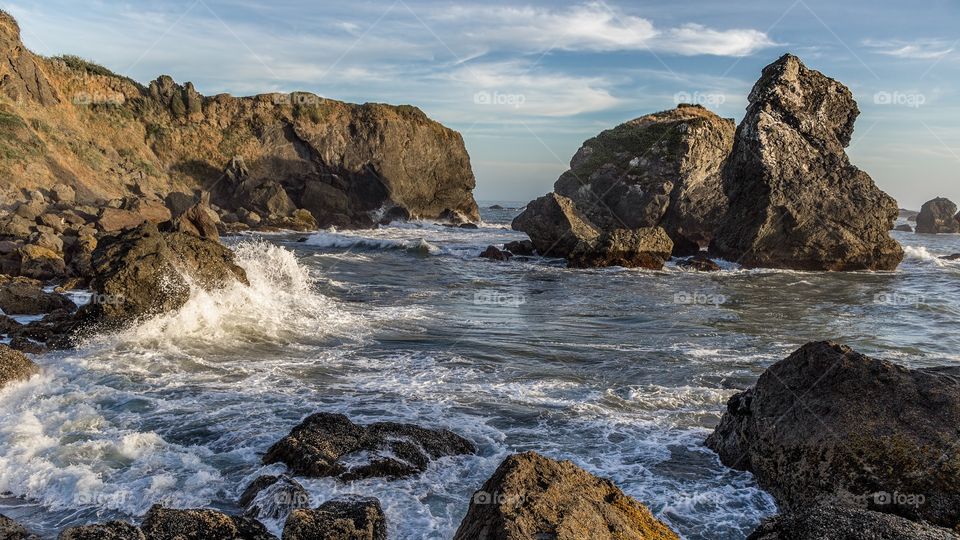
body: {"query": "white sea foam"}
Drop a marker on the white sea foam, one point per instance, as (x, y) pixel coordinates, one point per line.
(923, 254)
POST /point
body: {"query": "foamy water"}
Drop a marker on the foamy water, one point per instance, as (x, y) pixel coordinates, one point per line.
(623, 371)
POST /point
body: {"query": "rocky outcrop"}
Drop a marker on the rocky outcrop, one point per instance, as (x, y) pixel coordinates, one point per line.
(323, 443)
(555, 225)
(829, 424)
(168, 524)
(74, 123)
(938, 216)
(662, 169)
(350, 518)
(795, 201)
(531, 496)
(14, 366)
(143, 272)
(22, 296)
(113, 530)
(828, 522)
(273, 497)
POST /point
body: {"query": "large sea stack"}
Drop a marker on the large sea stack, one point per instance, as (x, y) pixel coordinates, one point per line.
(65, 121)
(795, 201)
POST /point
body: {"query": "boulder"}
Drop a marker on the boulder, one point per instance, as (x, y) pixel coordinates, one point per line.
(23, 296)
(111, 220)
(14, 226)
(795, 201)
(142, 272)
(829, 424)
(524, 248)
(555, 225)
(11, 530)
(829, 522)
(178, 203)
(903, 228)
(648, 247)
(531, 496)
(700, 263)
(496, 254)
(113, 530)
(63, 193)
(327, 444)
(273, 497)
(14, 366)
(167, 524)
(41, 263)
(348, 518)
(198, 220)
(47, 239)
(938, 216)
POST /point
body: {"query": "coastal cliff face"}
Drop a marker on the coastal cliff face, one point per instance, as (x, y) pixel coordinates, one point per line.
(66, 121)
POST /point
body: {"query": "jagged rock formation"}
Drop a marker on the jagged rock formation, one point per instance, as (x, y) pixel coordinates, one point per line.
(795, 199)
(938, 216)
(66, 121)
(662, 169)
(834, 426)
(532, 496)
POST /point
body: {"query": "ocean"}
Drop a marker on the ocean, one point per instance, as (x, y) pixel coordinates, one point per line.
(625, 372)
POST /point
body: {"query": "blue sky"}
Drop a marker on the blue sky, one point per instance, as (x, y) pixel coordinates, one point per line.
(527, 82)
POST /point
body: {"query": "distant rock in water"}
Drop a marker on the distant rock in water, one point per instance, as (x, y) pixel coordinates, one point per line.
(909, 215)
(327, 444)
(700, 263)
(795, 200)
(496, 254)
(827, 521)
(349, 165)
(831, 425)
(662, 169)
(524, 248)
(646, 247)
(531, 496)
(348, 518)
(953, 257)
(938, 216)
(903, 228)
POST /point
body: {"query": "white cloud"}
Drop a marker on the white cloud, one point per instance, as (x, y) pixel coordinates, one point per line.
(923, 49)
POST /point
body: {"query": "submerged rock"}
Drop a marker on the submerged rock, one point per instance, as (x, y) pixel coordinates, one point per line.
(524, 248)
(274, 497)
(349, 518)
(531, 496)
(700, 263)
(938, 216)
(830, 522)
(326, 444)
(829, 424)
(113, 530)
(496, 254)
(14, 366)
(142, 272)
(168, 524)
(795, 201)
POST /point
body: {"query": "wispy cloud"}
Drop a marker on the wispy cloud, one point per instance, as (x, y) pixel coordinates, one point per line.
(923, 49)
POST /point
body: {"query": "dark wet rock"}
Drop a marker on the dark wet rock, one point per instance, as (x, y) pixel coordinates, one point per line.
(54, 330)
(327, 444)
(830, 424)
(167, 524)
(11, 530)
(14, 366)
(469, 226)
(831, 522)
(24, 296)
(523, 248)
(903, 228)
(113, 530)
(8, 325)
(555, 225)
(26, 345)
(496, 254)
(274, 497)
(348, 518)
(700, 263)
(531, 496)
(954, 257)
(648, 247)
(795, 201)
(140, 272)
(496, 207)
(938, 216)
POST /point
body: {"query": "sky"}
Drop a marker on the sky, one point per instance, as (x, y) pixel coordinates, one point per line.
(527, 82)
